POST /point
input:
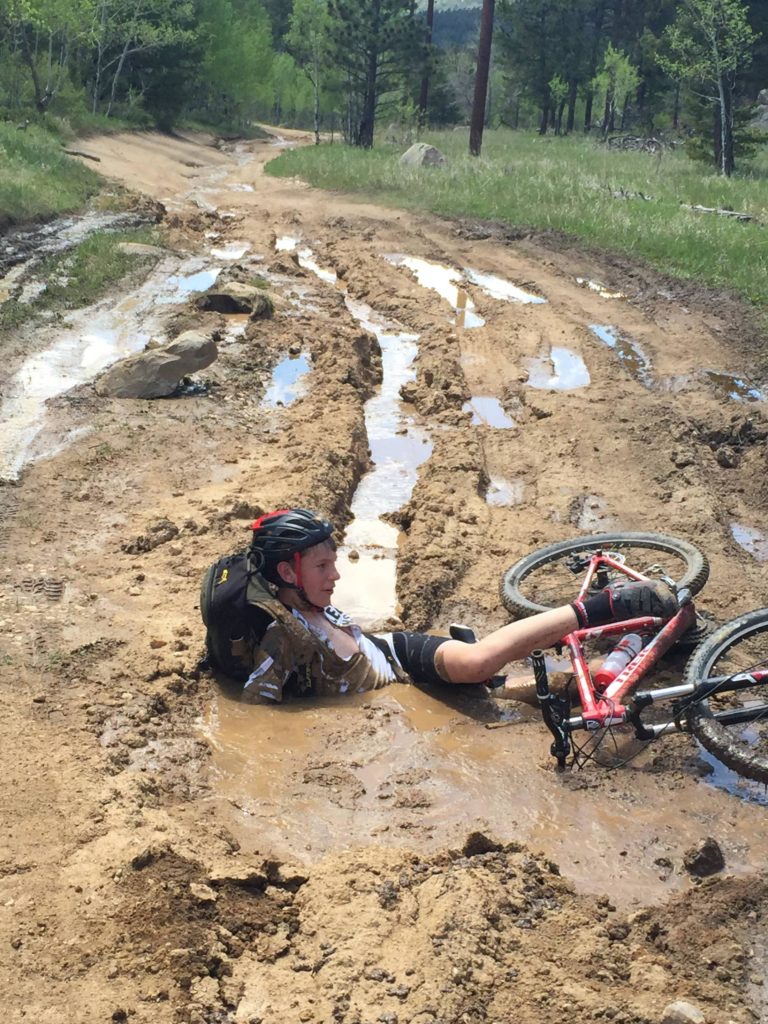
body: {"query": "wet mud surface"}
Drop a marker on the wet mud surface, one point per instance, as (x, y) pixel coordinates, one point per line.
(169, 854)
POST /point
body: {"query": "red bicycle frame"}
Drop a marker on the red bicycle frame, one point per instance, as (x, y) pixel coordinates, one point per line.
(602, 708)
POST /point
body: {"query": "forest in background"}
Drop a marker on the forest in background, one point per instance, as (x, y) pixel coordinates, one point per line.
(364, 69)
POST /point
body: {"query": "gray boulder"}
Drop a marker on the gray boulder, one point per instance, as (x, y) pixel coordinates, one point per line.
(422, 155)
(236, 297)
(682, 1012)
(760, 119)
(157, 373)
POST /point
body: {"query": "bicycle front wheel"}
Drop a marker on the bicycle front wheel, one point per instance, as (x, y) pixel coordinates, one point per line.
(551, 576)
(741, 740)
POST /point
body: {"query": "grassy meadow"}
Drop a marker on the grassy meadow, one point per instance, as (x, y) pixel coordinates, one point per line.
(566, 184)
(37, 179)
(82, 275)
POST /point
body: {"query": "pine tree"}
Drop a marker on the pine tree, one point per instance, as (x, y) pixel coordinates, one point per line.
(374, 43)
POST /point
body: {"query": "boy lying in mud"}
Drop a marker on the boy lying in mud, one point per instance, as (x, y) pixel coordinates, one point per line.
(312, 648)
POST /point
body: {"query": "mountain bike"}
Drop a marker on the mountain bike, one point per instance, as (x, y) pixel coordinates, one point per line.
(722, 696)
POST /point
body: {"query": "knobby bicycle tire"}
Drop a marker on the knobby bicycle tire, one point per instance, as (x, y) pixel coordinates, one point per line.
(715, 737)
(694, 576)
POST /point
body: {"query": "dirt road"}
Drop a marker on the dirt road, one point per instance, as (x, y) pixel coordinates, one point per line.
(171, 855)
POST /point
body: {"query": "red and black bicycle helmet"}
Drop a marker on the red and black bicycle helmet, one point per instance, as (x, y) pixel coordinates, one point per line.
(281, 536)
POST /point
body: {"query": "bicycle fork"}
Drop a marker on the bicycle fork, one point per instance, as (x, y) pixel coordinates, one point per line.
(554, 710)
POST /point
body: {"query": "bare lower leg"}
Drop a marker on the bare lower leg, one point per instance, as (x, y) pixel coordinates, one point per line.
(458, 662)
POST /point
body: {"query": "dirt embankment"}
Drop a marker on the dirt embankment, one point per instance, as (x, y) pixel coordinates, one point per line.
(169, 855)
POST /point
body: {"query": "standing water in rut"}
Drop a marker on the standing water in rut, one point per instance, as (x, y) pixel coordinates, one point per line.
(398, 447)
(367, 560)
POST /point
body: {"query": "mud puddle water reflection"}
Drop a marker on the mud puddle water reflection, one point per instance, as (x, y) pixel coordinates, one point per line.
(754, 541)
(503, 290)
(629, 352)
(232, 251)
(289, 243)
(288, 381)
(445, 281)
(90, 340)
(561, 370)
(729, 781)
(503, 493)
(600, 289)
(487, 411)
(733, 387)
(367, 560)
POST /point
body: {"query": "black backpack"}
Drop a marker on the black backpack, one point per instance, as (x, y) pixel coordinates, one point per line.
(229, 619)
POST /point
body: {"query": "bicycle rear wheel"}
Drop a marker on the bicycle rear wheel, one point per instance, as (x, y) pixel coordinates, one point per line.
(551, 576)
(739, 646)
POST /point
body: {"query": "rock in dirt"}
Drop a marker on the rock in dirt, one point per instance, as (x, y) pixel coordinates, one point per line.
(681, 1012)
(140, 249)
(236, 297)
(157, 373)
(157, 533)
(202, 893)
(422, 155)
(706, 858)
(477, 843)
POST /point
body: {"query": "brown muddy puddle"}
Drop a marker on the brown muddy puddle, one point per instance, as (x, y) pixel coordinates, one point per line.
(728, 386)
(752, 540)
(398, 446)
(734, 387)
(89, 341)
(599, 288)
(404, 767)
(629, 352)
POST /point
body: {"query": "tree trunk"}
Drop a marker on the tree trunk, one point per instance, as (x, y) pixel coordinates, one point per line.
(676, 108)
(573, 91)
(726, 126)
(596, 46)
(544, 122)
(588, 111)
(559, 118)
(607, 114)
(368, 118)
(516, 118)
(424, 91)
(481, 78)
(624, 112)
(118, 72)
(41, 98)
(316, 86)
(99, 58)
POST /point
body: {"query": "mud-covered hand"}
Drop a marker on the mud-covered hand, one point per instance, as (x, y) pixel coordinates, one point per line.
(626, 600)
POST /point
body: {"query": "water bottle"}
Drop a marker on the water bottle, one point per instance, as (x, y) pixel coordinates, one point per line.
(621, 655)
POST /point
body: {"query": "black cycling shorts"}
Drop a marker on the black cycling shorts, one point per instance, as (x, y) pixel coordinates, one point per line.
(415, 653)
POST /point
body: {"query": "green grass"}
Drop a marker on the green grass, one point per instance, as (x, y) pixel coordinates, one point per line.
(81, 276)
(37, 179)
(564, 184)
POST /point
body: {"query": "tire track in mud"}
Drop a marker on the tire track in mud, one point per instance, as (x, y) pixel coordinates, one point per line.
(655, 459)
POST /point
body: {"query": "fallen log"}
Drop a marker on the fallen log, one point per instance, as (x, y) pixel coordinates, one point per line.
(79, 152)
(736, 215)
